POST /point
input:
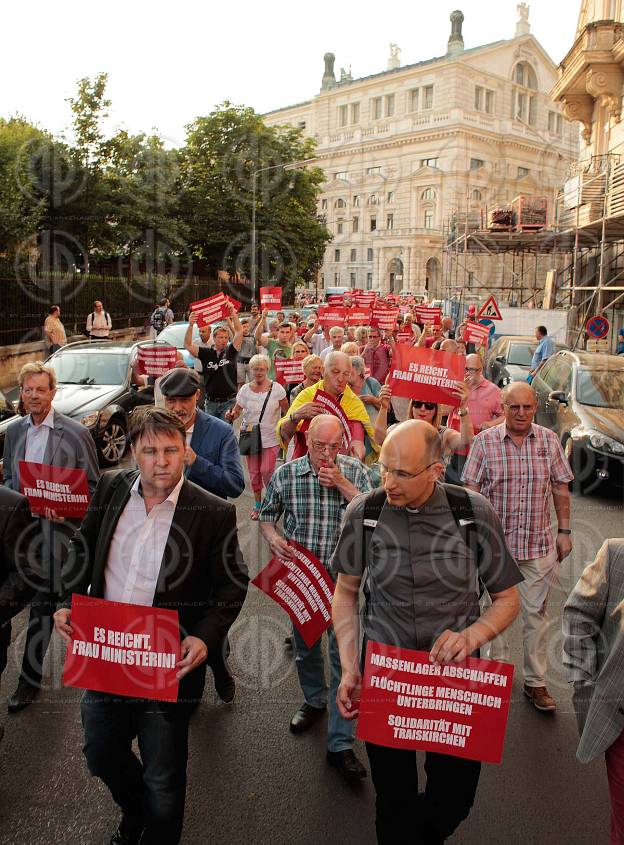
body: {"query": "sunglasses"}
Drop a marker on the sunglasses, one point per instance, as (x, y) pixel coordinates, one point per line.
(430, 406)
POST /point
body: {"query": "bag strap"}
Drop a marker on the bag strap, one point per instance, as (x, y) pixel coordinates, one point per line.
(265, 404)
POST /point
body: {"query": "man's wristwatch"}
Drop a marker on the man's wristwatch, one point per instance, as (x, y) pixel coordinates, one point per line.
(461, 412)
(563, 531)
(291, 417)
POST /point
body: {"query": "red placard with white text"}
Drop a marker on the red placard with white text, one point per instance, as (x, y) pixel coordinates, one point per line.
(288, 371)
(64, 490)
(213, 309)
(428, 315)
(405, 336)
(476, 333)
(123, 649)
(460, 709)
(335, 299)
(384, 317)
(303, 588)
(364, 300)
(156, 360)
(331, 315)
(426, 374)
(332, 406)
(271, 298)
(358, 316)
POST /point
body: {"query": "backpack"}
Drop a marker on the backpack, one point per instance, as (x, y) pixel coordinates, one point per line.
(158, 320)
(92, 316)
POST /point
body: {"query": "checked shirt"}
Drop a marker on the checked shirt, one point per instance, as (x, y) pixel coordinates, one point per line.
(312, 513)
(518, 483)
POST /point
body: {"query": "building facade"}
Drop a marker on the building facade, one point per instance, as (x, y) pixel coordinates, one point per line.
(417, 150)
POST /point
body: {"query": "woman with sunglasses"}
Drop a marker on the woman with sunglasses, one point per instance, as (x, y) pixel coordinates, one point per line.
(431, 412)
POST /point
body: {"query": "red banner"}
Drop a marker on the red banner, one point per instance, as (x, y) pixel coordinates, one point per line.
(428, 315)
(123, 649)
(156, 360)
(426, 374)
(62, 489)
(384, 318)
(271, 298)
(330, 315)
(333, 407)
(213, 309)
(459, 709)
(303, 588)
(288, 371)
(358, 316)
(476, 333)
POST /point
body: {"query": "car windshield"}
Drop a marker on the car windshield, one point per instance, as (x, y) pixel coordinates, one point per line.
(175, 335)
(520, 354)
(600, 388)
(98, 368)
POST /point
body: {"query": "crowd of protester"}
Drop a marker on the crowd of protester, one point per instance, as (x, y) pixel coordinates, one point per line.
(381, 489)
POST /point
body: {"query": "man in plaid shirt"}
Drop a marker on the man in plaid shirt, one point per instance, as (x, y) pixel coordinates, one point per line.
(518, 466)
(312, 493)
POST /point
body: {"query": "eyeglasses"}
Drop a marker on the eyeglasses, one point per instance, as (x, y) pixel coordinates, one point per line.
(473, 369)
(326, 447)
(401, 475)
(430, 406)
(515, 409)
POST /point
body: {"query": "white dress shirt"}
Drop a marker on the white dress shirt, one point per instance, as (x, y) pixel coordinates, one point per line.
(37, 438)
(137, 548)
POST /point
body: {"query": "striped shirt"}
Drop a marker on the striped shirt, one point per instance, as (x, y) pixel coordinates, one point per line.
(518, 481)
(312, 513)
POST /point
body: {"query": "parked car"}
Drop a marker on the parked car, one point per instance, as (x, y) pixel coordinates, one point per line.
(8, 415)
(174, 335)
(95, 387)
(581, 397)
(509, 359)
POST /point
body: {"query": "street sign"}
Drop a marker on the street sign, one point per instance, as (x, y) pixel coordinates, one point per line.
(491, 310)
(597, 327)
(598, 345)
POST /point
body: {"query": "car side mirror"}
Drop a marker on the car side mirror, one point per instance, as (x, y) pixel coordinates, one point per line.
(500, 359)
(558, 396)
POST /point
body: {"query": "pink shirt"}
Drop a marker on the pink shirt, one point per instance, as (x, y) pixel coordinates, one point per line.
(378, 361)
(484, 403)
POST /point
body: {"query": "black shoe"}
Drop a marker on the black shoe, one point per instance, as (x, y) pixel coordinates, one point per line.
(305, 717)
(225, 686)
(289, 643)
(127, 833)
(347, 764)
(24, 695)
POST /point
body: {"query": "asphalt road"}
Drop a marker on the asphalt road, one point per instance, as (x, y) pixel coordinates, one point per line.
(250, 780)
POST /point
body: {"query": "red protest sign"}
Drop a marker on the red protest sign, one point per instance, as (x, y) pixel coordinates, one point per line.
(123, 649)
(335, 299)
(330, 315)
(358, 316)
(428, 314)
(405, 336)
(458, 709)
(288, 371)
(234, 302)
(156, 360)
(426, 374)
(383, 317)
(364, 300)
(476, 333)
(213, 309)
(271, 298)
(303, 588)
(61, 489)
(333, 407)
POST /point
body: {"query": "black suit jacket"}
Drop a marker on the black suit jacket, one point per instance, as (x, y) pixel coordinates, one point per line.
(202, 574)
(20, 554)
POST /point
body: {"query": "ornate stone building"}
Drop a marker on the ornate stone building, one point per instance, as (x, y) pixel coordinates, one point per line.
(408, 149)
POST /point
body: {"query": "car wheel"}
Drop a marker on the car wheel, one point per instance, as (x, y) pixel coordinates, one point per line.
(112, 443)
(583, 469)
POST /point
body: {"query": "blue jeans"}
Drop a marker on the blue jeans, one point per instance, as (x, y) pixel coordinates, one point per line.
(311, 670)
(151, 791)
(218, 409)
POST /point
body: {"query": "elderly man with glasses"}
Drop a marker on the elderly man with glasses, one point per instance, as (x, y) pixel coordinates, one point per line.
(520, 467)
(311, 494)
(485, 409)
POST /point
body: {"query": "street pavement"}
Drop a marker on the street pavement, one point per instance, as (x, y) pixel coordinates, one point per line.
(250, 780)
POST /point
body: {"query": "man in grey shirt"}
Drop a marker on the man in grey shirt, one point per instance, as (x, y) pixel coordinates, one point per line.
(422, 593)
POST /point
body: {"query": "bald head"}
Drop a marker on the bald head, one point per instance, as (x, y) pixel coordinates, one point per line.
(519, 403)
(518, 391)
(324, 439)
(449, 345)
(414, 441)
(325, 425)
(411, 464)
(473, 360)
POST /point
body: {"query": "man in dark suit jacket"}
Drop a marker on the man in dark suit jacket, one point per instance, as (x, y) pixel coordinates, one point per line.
(48, 437)
(213, 462)
(154, 538)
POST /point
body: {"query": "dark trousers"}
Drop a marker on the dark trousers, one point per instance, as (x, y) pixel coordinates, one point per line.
(454, 469)
(150, 791)
(403, 817)
(5, 642)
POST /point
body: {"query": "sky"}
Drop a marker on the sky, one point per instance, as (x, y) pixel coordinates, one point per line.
(171, 62)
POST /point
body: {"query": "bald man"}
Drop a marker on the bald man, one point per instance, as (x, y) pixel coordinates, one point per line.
(485, 409)
(311, 494)
(421, 594)
(520, 467)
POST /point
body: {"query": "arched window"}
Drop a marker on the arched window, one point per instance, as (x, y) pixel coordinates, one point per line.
(340, 203)
(476, 195)
(428, 195)
(373, 200)
(525, 76)
(524, 94)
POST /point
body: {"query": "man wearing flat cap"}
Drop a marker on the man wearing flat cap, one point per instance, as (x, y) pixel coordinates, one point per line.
(213, 462)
